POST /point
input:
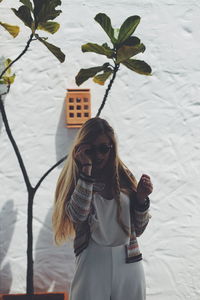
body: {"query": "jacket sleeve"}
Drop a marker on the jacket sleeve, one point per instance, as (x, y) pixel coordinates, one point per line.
(78, 207)
(140, 216)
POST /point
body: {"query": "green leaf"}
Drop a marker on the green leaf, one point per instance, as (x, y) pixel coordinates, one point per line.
(132, 41)
(8, 79)
(101, 78)
(6, 64)
(53, 49)
(138, 66)
(105, 23)
(50, 27)
(85, 74)
(24, 14)
(127, 28)
(126, 52)
(28, 4)
(44, 10)
(13, 30)
(90, 47)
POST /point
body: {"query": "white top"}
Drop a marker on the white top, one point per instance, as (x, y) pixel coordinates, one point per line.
(105, 229)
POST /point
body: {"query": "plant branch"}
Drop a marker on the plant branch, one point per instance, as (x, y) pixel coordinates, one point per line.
(47, 172)
(116, 68)
(19, 56)
(10, 136)
(30, 262)
(8, 90)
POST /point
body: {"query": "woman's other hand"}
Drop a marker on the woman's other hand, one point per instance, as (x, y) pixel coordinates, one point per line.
(144, 188)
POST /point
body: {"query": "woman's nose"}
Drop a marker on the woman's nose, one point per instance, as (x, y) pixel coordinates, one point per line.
(98, 155)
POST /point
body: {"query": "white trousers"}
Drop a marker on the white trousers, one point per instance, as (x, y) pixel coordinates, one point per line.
(102, 274)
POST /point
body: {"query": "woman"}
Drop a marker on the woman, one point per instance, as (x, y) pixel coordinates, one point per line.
(99, 200)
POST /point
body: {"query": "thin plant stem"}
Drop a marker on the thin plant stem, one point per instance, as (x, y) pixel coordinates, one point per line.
(14, 144)
(30, 262)
(49, 171)
(19, 56)
(116, 68)
(8, 90)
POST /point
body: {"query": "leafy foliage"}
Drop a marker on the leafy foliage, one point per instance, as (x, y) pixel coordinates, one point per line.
(104, 50)
(55, 50)
(138, 66)
(105, 23)
(51, 27)
(101, 78)
(12, 29)
(44, 10)
(7, 78)
(124, 47)
(127, 28)
(125, 52)
(85, 74)
(37, 15)
(24, 14)
(28, 4)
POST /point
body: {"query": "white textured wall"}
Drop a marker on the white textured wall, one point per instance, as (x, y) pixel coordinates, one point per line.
(157, 121)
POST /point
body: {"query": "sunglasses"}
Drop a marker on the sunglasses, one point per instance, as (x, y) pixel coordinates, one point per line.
(102, 148)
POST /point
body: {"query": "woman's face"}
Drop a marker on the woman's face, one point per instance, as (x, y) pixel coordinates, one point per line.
(100, 152)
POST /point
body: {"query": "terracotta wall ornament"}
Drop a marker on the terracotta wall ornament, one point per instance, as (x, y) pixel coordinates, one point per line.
(78, 107)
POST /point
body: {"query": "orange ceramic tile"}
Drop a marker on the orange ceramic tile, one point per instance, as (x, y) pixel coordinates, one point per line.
(78, 107)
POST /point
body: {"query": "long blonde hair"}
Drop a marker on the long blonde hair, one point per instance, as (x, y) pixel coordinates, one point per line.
(121, 178)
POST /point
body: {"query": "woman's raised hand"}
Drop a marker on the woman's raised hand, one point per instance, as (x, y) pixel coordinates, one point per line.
(144, 188)
(83, 159)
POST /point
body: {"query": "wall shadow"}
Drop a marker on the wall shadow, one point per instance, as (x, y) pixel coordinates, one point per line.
(53, 265)
(64, 136)
(8, 217)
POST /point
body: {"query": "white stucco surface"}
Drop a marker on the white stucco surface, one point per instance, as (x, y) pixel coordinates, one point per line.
(157, 122)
